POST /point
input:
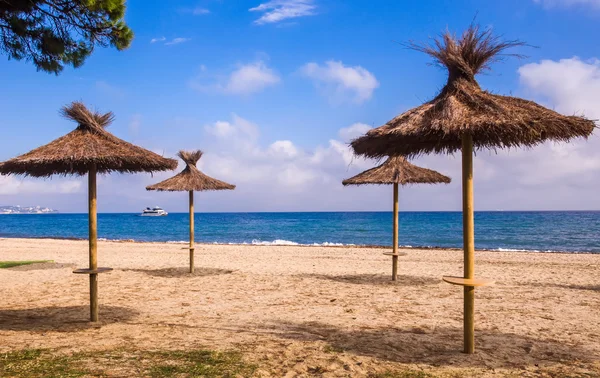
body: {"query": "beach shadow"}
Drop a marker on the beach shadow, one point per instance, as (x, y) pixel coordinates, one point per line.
(61, 319)
(561, 286)
(441, 346)
(181, 272)
(581, 287)
(377, 279)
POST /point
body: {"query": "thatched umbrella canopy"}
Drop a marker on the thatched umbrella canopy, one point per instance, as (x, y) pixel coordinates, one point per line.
(89, 144)
(397, 170)
(465, 117)
(462, 109)
(190, 180)
(89, 149)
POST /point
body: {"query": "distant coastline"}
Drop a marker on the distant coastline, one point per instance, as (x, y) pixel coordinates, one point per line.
(26, 210)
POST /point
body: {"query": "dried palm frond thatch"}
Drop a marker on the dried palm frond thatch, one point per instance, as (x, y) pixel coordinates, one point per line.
(462, 107)
(397, 170)
(190, 179)
(88, 144)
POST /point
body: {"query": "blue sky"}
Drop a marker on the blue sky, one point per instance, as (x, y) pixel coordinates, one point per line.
(273, 90)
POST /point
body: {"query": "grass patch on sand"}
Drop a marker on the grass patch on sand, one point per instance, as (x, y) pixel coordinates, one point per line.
(199, 363)
(12, 264)
(38, 363)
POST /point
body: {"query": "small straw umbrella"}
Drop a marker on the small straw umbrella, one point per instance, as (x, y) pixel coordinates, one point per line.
(464, 117)
(89, 149)
(190, 180)
(397, 171)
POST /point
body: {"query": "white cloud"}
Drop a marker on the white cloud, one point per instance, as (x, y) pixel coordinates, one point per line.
(570, 85)
(238, 129)
(10, 185)
(347, 134)
(279, 168)
(221, 129)
(251, 78)
(198, 11)
(296, 177)
(568, 3)
(342, 83)
(275, 11)
(177, 41)
(174, 41)
(243, 80)
(283, 148)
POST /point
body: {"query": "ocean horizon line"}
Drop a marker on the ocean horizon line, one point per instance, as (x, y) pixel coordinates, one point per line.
(323, 212)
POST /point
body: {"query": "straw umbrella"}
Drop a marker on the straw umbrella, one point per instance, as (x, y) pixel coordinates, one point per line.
(190, 180)
(464, 117)
(397, 171)
(89, 149)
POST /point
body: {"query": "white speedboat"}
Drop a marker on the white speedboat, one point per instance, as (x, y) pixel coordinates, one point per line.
(154, 212)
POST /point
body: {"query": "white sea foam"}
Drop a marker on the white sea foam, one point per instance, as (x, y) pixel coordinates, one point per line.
(525, 250)
(283, 242)
(330, 244)
(274, 242)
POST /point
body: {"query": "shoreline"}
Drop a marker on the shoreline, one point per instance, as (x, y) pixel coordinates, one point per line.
(293, 244)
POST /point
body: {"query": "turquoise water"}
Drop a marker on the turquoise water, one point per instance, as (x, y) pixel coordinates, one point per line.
(537, 231)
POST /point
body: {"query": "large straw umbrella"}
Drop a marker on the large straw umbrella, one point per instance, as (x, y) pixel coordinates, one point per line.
(397, 170)
(89, 149)
(463, 117)
(190, 180)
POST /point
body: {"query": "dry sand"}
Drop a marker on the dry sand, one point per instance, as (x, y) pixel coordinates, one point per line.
(304, 311)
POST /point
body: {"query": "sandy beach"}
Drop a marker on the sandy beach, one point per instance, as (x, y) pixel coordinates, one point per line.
(309, 311)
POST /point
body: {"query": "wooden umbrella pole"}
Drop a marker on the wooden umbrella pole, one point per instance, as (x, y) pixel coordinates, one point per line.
(468, 242)
(191, 231)
(395, 236)
(93, 243)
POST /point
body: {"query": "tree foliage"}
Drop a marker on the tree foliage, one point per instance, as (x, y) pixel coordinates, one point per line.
(55, 33)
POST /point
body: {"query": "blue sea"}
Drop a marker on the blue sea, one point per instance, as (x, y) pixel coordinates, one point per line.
(508, 231)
